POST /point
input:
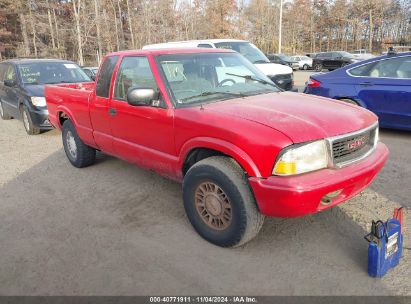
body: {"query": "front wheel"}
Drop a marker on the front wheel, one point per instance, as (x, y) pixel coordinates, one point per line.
(318, 67)
(28, 124)
(305, 67)
(350, 101)
(219, 202)
(79, 154)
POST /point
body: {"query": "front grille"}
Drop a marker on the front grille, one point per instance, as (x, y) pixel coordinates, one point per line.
(351, 147)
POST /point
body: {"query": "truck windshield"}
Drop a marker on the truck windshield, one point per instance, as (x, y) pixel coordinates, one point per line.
(247, 49)
(209, 77)
(45, 72)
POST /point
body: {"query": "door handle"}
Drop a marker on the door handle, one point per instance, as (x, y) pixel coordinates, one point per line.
(366, 84)
(112, 111)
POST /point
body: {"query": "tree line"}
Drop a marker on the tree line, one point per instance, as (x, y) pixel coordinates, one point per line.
(85, 30)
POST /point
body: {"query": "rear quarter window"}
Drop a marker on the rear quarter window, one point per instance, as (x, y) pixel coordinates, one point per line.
(204, 45)
(105, 75)
(2, 71)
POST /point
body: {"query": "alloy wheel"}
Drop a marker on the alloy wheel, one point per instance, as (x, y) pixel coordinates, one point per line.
(213, 206)
(71, 145)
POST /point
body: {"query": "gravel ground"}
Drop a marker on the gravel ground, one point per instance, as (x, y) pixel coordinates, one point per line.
(115, 229)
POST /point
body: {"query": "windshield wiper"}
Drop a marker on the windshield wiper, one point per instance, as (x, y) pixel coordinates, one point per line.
(208, 93)
(249, 77)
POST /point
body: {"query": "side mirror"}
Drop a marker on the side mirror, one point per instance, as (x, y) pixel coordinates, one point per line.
(141, 96)
(9, 83)
(93, 77)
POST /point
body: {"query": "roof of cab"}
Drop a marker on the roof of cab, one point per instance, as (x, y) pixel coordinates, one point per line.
(156, 52)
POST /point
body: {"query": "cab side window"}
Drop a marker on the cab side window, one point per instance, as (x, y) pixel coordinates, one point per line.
(363, 70)
(105, 75)
(134, 72)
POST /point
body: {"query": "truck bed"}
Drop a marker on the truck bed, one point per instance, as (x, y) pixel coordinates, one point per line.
(71, 98)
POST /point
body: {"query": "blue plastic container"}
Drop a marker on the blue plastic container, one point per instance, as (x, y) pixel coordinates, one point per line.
(385, 248)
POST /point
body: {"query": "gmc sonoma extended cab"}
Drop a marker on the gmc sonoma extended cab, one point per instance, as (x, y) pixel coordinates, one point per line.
(242, 147)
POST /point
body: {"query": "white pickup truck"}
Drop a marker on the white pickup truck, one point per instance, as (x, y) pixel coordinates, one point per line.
(280, 74)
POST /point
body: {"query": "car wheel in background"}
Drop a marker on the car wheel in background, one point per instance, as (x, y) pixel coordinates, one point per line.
(3, 114)
(79, 154)
(350, 101)
(318, 67)
(219, 202)
(305, 67)
(27, 122)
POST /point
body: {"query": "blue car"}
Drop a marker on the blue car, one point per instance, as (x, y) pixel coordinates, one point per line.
(381, 85)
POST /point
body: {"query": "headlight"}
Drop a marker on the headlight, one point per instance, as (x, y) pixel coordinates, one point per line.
(38, 101)
(306, 158)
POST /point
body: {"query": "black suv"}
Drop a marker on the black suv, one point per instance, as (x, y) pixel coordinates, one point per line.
(22, 84)
(284, 60)
(332, 60)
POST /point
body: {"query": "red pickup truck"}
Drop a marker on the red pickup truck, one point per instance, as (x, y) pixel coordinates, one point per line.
(242, 148)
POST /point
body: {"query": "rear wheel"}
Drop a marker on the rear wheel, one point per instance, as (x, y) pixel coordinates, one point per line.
(318, 67)
(350, 101)
(30, 128)
(219, 202)
(3, 114)
(79, 154)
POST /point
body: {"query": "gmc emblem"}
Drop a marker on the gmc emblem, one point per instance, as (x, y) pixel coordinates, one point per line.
(358, 142)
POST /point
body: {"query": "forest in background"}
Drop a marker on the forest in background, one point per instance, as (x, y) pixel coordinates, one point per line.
(85, 30)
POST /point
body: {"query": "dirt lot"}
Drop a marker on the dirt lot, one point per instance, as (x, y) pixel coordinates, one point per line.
(115, 229)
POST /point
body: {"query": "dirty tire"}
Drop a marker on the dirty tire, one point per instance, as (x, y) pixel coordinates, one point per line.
(30, 128)
(350, 101)
(79, 154)
(3, 114)
(246, 221)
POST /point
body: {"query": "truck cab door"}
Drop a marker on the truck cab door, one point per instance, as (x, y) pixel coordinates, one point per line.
(142, 134)
(99, 105)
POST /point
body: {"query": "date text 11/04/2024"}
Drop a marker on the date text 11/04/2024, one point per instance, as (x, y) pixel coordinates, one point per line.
(203, 299)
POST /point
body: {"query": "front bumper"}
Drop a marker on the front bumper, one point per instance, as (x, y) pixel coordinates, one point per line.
(300, 195)
(39, 117)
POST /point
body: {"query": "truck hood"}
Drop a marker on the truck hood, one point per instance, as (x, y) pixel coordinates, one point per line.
(273, 68)
(300, 117)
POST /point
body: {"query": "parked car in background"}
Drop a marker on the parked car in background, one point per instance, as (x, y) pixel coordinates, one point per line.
(381, 84)
(22, 88)
(362, 54)
(304, 62)
(282, 76)
(242, 148)
(332, 60)
(91, 72)
(311, 55)
(284, 60)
